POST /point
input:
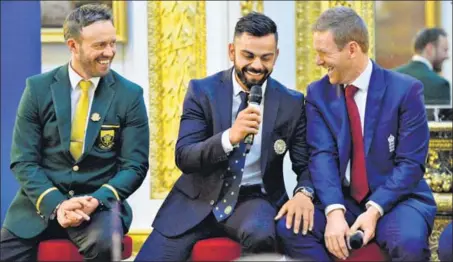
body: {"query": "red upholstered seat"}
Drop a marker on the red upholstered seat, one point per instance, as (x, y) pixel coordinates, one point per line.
(216, 249)
(370, 252)
(225, 249)
(64, 250)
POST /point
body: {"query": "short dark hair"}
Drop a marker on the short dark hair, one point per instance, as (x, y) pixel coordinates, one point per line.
(256, 24)
(83, 16)
(345, 24)
(426, 36)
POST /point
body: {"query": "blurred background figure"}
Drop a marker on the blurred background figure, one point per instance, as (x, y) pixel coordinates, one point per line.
(431, 50)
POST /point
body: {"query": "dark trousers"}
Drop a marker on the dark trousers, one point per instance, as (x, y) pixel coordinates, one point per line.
(251, 224)
(402, 232)
(93, 238)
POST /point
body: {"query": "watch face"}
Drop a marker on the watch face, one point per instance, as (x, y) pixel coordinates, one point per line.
(309, 190)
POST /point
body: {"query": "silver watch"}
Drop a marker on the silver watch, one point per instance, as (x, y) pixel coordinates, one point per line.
(306, 191)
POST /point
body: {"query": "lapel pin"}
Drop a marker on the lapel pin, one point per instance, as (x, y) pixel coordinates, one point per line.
(95, 117)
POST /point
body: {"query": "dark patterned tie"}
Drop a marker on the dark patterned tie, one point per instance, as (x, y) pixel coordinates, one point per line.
(359, 181)
(232, 182)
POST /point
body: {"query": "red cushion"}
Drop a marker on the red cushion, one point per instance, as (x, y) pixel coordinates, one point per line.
(64, 250)
(216, 249)
(225, 249)
(370, 252)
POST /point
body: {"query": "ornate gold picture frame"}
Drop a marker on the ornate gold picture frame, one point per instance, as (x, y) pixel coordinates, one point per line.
(53, 14)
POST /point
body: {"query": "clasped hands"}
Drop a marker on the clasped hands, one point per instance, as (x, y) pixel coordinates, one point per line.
(76, 210)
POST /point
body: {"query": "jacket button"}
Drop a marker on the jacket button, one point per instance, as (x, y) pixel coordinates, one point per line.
(75, 168)
(71, 193)
(211, 202)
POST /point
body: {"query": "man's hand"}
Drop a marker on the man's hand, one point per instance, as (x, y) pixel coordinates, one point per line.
(367, 222)
(90, 205)
(299, 208)
(336, 232)
(247, 122)
(69, 212)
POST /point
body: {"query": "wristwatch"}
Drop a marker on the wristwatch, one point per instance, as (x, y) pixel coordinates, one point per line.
(308, 191)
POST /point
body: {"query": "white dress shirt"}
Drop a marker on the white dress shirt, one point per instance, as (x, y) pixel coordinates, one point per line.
(252, 169)
(362, 83)
(76, 92)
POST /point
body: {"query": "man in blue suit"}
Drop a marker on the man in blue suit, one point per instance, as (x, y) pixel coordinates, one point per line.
(368, 137)
(223, 190)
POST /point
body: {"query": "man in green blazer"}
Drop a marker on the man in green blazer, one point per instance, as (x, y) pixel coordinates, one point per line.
(80, 148)
(431, 50)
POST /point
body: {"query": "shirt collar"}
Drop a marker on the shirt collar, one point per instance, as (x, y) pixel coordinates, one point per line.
(363, 80)
(425, 61)
(74, 78)
(237, 87)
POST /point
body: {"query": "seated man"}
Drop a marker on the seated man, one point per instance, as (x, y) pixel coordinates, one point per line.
(445, 244)
(366, 166)
(73, 174)
(225, 190)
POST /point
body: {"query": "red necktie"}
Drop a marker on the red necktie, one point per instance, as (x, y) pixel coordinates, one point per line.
(359, 181)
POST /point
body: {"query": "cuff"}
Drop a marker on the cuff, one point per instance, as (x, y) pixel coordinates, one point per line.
(47, 201)
(377, 206)
(113, 191)
(226, 144)
(332, 207)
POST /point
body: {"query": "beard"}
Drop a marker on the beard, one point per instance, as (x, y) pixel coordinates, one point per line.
(249, 83)
(437, 66)
(90, 66)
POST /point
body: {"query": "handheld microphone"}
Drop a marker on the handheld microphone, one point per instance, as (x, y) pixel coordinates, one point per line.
(255, 98)
(356, 240)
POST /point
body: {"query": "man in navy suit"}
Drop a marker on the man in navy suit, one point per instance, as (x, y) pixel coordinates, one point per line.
(223, 190)
(368, 137)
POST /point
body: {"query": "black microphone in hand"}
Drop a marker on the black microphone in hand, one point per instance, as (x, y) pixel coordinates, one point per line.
(356, 240)
(255, 98)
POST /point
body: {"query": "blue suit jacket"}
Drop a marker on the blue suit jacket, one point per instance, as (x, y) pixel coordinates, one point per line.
(394, 107)
(200, 155)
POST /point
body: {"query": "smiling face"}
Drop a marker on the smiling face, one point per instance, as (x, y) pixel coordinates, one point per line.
(94, 50)
(338, 63)
(253, 57)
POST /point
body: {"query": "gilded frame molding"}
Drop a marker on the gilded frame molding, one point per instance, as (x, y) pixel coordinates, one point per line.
(249, 6)
(176, 54)
(119, 11)
(306, 14)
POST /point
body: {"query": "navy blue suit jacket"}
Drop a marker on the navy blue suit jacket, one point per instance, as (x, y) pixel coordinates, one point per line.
(394, 107)
(200, 156)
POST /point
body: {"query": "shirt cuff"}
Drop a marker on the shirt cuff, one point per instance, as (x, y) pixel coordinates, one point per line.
(374, 204)
(226, 144)
(332, 207)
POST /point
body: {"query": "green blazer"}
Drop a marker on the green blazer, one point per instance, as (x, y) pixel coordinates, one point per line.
(115, 159)
(436, 88)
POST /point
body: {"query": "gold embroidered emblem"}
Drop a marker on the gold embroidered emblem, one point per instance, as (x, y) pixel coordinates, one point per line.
(106, 140)
(279, 147)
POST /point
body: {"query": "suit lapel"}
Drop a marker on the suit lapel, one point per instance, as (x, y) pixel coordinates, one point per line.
(376, 92)
(101, 103)
(223, 97)
(61, 96)
(343, 133)
(271, 104)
